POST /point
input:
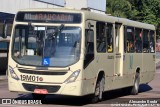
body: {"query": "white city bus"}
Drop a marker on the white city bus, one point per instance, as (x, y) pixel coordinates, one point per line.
(78, 52)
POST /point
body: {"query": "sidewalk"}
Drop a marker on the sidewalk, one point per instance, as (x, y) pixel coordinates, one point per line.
(3, 77)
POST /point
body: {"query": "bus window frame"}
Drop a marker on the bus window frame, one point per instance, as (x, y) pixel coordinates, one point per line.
(133, 28)
(153, 39)
(104, 36)
(112, 36)
(148, 48)
(141, 31)
(87, 59)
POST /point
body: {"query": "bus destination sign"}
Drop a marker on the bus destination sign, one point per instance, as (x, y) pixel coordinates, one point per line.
(49, 17)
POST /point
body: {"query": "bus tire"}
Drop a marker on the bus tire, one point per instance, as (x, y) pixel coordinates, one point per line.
(38, 96)
(99, 89)
(135, 88)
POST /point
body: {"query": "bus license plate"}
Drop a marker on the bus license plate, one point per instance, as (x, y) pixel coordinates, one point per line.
(31, 78)
(41, 91)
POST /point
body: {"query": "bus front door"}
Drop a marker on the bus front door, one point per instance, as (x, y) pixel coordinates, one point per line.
(118, 71)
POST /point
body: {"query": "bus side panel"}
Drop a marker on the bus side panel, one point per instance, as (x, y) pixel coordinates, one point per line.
(148, 71)
(105, 63)
(131, 62)
(89, 76)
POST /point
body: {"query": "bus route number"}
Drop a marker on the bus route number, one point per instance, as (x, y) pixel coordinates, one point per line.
(31, 78)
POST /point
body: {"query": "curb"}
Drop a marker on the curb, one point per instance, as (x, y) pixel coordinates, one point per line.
(3, 77)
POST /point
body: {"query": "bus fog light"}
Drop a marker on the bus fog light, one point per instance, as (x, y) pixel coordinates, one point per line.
(13, 74)
(73, 77)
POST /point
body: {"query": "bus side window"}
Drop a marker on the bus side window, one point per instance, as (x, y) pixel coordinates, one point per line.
(125, 36)
(89, 44)
(101, 37)
(130, 39)
(152, 41)
(145, 41)
(138, 40)
(109, 32)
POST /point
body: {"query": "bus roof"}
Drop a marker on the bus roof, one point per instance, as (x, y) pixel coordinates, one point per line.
(95, 16)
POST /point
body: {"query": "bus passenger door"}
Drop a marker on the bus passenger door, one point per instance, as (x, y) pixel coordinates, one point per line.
(118, 50)
(89, 64)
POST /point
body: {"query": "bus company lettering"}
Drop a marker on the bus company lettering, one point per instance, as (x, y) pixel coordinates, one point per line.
(48, 16)
(31, 78)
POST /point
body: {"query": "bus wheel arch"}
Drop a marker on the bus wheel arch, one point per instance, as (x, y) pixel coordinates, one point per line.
(99, 87)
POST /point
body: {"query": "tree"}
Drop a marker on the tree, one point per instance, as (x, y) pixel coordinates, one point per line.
(119, 8)
(147, 11)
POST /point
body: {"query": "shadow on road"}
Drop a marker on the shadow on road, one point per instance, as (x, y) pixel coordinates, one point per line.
(115, 96)
(2, 72)
(108, 98)
(144, 88)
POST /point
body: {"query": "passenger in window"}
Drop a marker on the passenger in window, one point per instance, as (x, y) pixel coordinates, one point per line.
(152, 43)
(151, 46)
(131, 46)
(139, 43)
(110, 48)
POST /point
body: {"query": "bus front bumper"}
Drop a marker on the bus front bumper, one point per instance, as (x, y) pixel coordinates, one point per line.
(73, 89)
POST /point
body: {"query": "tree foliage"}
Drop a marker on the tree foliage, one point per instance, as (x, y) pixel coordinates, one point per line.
(147, 11)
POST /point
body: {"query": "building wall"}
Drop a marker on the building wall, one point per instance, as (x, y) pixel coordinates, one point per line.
(77, 4)
(95, 5)
(54, 2)
(12, 6)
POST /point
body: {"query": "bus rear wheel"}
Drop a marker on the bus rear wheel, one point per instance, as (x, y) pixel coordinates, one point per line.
(135, 88)
(99, 89)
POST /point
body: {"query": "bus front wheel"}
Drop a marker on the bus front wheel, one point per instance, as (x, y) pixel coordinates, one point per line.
(97, 96)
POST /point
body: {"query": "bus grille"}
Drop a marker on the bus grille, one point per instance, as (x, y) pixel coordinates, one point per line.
(42, 72)
(50, 89)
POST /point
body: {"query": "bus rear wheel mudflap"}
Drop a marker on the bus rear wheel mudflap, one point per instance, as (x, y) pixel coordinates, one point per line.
(135, 88)
(99, 89)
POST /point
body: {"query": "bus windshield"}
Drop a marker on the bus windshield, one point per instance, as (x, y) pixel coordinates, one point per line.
(46, 45)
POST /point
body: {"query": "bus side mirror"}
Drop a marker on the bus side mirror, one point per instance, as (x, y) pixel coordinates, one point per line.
(4, 32)
(90, 36)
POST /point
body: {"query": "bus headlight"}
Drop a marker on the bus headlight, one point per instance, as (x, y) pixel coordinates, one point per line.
(72, 77)
(13, 74)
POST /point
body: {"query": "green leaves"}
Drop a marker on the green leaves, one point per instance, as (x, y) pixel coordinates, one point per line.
(147, 11)
(118, 8)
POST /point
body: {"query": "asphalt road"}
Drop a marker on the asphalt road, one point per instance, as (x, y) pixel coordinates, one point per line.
(150, 91)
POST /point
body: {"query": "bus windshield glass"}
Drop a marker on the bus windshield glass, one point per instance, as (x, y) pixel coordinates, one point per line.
(57, 46)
